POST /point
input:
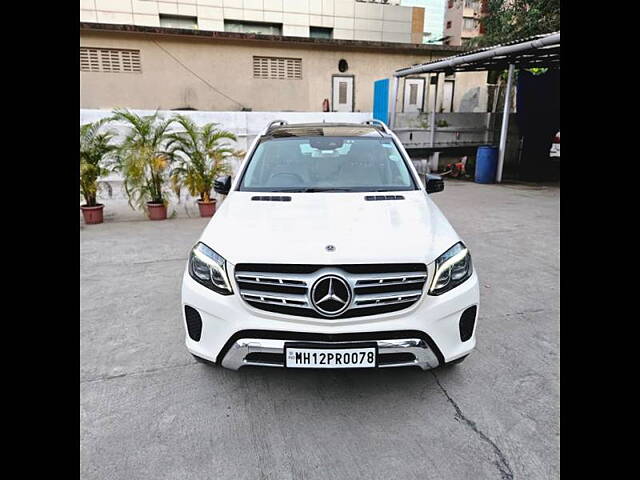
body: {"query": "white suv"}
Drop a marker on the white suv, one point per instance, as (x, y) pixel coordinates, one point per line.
(329, 253)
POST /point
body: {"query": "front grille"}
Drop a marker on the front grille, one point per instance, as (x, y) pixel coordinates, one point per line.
(376, 288)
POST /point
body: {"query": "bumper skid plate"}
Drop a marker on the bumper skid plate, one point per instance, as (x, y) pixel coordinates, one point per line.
(266, 352)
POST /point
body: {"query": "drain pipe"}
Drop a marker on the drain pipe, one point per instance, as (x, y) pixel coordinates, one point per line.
(505, 123)
(435, 156)
(392, 120)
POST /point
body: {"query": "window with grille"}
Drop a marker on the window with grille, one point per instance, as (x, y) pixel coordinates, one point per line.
(109, 60)
(342, 93)
(277, 68)
(470, 24)
(413, 94)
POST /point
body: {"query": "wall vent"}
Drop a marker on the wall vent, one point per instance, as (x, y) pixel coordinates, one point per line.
(111, 60)
(279, 68)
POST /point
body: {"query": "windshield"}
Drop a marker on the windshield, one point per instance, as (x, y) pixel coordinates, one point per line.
(312, 164)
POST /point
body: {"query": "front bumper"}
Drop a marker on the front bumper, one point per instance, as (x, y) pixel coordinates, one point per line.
(233, 332)
(266, 352)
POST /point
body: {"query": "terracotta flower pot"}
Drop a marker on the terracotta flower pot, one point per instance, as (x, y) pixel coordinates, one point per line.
(207, 209)
(157, 211)
(92, 214)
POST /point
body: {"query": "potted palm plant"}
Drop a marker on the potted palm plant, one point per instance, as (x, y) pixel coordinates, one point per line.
(200, 155)
(144, 161)
(95, 152)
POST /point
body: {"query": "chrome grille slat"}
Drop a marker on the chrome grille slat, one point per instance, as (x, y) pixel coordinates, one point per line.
(363, 277)
(288, 279)
(395, 280)
(377, 299)
(378, 296)
(275, 298)
(389, 287)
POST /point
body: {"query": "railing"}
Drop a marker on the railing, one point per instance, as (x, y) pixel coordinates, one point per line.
(451, 129)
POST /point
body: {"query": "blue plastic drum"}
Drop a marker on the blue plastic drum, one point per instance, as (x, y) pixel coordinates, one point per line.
(486, 164)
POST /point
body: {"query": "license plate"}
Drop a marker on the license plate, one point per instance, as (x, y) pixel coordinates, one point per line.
(323, 356)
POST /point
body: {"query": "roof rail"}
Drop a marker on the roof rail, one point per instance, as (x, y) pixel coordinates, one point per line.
(380, 122)
(275, 122)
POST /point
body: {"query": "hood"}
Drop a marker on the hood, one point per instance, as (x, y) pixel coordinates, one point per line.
(298, 231)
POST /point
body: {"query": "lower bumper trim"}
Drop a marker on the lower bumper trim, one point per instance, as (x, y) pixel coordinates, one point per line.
(269, 352)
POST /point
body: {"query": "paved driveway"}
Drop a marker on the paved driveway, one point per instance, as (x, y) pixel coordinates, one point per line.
(149, 411)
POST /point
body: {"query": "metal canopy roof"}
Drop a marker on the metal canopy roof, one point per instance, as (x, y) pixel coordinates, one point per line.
(537, 51)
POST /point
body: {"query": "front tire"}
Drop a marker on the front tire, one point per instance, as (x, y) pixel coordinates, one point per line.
(457, 360)
(203, 361)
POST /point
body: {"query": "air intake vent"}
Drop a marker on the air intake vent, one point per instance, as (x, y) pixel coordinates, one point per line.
(467, 322)
(277, 68)
(194, 322)
(271, 199)
(372, 198)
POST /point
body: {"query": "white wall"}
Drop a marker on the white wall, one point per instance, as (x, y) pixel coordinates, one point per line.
(471, 92)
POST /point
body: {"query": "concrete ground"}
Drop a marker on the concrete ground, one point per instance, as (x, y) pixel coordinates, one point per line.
(148, 410)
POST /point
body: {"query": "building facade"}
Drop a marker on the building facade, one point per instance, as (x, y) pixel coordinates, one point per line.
(462, 21)
(433, 26)
(177, 61)
(372, 20)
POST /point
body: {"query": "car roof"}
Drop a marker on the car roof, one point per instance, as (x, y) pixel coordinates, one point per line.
(325, 130)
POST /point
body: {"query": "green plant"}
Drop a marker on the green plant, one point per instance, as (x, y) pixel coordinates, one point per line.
(538, 71)
(200, 155)
(508, 20)
(143, 158)
(96, 151)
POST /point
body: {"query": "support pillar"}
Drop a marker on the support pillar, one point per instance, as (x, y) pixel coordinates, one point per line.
(505, 124)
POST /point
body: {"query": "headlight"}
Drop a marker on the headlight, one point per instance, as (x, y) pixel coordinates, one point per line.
(452, 268)
(209, 269)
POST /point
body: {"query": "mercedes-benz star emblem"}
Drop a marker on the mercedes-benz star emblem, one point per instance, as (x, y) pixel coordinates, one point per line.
(330, 295)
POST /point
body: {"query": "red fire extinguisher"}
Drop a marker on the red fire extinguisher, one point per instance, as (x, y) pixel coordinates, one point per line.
(325, 105)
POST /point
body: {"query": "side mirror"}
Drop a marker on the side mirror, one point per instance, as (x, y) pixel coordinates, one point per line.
(433, 183)
(222, 185)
